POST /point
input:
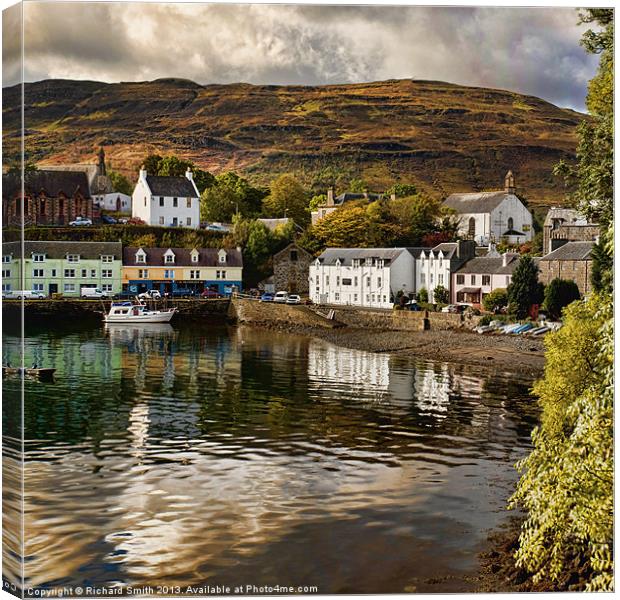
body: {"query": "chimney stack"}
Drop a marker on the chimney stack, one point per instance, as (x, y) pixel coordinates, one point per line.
(142, 172)
(189, 174)
(365, 193)
(330, 196)
(393, 196)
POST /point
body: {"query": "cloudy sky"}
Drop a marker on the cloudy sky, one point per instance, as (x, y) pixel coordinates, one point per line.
(530, 50)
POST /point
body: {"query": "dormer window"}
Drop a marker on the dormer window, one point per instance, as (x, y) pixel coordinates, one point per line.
(338, 262)
(73, 258)
(221, 256)
(356, 262)
(169, 259)
(140, 256)
(380, 263)
(38, 258)
(195, 256)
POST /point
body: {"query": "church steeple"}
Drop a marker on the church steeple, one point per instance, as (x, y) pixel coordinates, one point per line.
(509, 183)
(101, 165)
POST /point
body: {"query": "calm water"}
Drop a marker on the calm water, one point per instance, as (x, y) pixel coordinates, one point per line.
(195, 455)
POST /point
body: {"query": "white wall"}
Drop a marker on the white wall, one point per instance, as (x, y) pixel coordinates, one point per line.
(108, 202)
(141, 201)
(432, 269)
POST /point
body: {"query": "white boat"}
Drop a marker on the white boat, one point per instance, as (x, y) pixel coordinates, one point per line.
(129, 312)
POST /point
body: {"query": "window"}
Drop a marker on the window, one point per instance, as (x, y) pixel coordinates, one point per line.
(486, 280)
(368, 262)
(293, 256)
(169, 274)
(223, 274)
(53, 272)
(356, 262)
(37, 258)
(472, 227)
(422, 278)
(37, 287)
(460, 279)
(161, 201)
(69, 287)
(432, 278)
(6, 287)
(189, 203)
(6, 258)
(440, 261)
(175, 221)
(106, 287)
(336, 296)
(93, 273)
(194, 274)
(169, 259)
(440, 279)
(378, 281)
(367, 297)
(372, 298)
(217, 274)
(384, 298)
(161, 221)
(337, 280)
(143, 273)
(6, 273)
(354, 297)
(73, 258)
(367, 281)
(223, 257)
(36, 273)
(106, 273)
(189, 221)
(380, 263)
(140, 257)
(326, 279)
(355, 280)
(346, 281)
(69, 272)
(511, 223)
(144, 200)
(175, 202)
(84, 272)
(507, 279)
(107, 258)
(472, 279)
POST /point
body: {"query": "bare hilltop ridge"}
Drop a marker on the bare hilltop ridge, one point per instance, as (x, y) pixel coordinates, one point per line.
(443, 137)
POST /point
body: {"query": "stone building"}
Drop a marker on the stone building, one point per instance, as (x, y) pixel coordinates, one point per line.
(571, 261)
(51, 197)
(290, 270)
(566, 225)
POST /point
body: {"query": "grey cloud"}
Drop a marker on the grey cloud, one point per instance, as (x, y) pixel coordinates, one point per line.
(530, 50)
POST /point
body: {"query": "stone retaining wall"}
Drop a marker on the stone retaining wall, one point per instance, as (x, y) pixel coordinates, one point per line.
(252, 311)
(392, 320)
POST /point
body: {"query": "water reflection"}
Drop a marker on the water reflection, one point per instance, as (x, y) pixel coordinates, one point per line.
(192, 455)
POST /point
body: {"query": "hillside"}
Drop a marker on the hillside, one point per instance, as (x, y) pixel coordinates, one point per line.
(444, 137)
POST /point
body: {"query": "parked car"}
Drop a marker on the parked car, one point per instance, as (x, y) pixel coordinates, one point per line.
(93, 293)
(453, 308)
(150, 295)
(412, 305)
(182, 293)
(281, 297)
(25, 294)
(122, 221)
(209, 294)
(108, 220)
(267, 297)
(81, 221)
(293, 299)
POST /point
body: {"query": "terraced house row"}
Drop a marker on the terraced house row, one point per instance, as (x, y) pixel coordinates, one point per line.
(69, 268)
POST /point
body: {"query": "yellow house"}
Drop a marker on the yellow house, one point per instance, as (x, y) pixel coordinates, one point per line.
(170, 270)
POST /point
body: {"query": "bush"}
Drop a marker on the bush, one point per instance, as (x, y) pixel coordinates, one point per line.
(441, 295)
(559, 294)
(496, 299)
(423, 295)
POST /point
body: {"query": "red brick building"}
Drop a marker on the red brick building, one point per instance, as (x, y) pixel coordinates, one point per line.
(50, 198)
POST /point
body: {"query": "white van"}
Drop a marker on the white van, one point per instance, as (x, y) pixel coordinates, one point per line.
(19, 294)
(90, 292)
(281, 297)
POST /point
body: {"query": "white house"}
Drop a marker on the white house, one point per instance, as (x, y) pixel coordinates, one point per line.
(361, 276)
(114, 202)
(434, 266)
(167, 201)
(480, 276)
(493, 216)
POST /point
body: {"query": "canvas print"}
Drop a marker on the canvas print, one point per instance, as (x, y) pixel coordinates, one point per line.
(306, 299)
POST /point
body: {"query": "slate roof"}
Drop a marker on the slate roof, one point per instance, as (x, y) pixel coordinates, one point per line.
(86, 250)
(207, 257)
(52, 182)
(292, 246)
(346, 255)
(489, 266)
(180, 187)
(571, 251)
(477, 202)
(347, 196)
(448, 249)
(569, 216)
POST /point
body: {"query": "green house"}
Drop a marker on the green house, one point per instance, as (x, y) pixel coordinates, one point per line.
(62, 267)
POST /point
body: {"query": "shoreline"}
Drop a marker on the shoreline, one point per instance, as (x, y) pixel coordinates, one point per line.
(513, 354)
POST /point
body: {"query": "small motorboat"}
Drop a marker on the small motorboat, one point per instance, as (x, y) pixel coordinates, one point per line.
(137, 312)
(38, 372)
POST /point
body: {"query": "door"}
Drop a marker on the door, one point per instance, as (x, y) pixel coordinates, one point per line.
(53, 288)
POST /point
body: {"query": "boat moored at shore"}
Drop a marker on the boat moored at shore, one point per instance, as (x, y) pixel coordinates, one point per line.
(128, 312)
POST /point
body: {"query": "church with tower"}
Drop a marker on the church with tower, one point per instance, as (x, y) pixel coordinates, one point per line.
(492, 217)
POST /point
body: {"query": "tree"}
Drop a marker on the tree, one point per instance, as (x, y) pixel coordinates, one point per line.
(229, 194)
(523, 290)
(287, 198)
(357, 186)
(602, 272)
(559, 294)
(147, 240)
(497, 299)
(423, 295)
(402, 190)
(120, 183)
(173, 166)
(441, 295)
(317, 201)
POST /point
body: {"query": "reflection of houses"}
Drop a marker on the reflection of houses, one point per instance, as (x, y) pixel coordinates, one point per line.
(361, 276)
(290, 269)
(493, 216)
(572, 261)
(172, 269)
(480, 276)
(50, 198)
(62, 267)
(333, 203)
(435, 265)
(566, 225)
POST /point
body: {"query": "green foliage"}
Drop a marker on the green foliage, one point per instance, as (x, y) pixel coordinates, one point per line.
(567, 481)
(148, 240)
(357, 186)
(423, 295)
(15, 167)
(523, 290)
(120, 183)
(402, 190)
(498, 298)
(559, 294)
(172, 166)
(287, 198)
(602, 272)
(317, 201)
(441, 295)
(230, 194)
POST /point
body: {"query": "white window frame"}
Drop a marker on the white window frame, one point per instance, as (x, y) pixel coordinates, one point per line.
(38, 258)
(38, 273)
(69, 274)
(73, 258)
